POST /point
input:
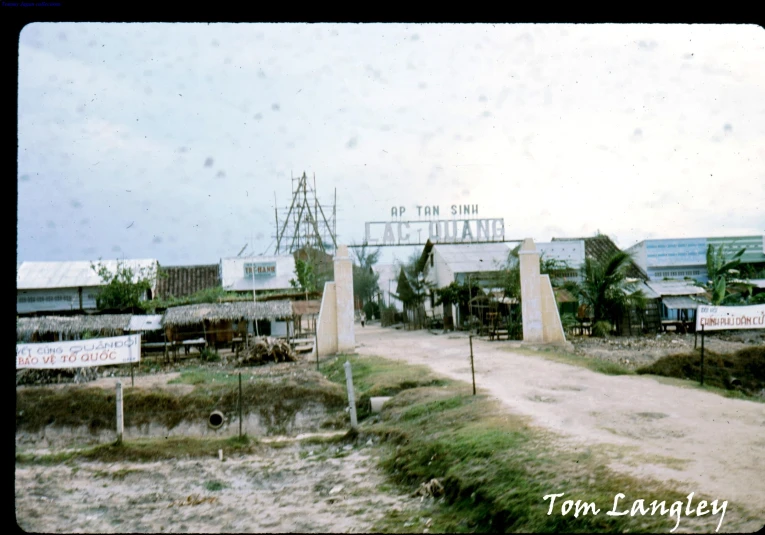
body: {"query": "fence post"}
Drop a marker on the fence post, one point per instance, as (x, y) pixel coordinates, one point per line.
(240, 404)
(351, 396)
(316, 344)
(702, 355)
(120, 419)
(472, 369)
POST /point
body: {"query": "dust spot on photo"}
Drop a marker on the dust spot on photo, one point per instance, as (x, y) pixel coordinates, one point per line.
(728, 128)
(156, 239)
(220, 174)
(414, 37)
(275, 107)
(24, 178)
(257, 116)
(50, 224)
(208, 162)
(483, 98)
(259, 236)
(116, 249)
(74, 203)
(352, 142)
(85, 221)
(637, 134)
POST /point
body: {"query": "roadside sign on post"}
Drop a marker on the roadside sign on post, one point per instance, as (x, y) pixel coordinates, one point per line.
(718, 318)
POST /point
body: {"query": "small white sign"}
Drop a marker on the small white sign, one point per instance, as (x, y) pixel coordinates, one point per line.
(722, 318)
(80, 353)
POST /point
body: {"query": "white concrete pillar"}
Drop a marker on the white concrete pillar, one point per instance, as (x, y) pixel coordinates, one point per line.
(346, 338)
(531, 296)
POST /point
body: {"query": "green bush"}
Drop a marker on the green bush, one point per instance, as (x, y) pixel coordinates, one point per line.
(601, 329)
(209, 355)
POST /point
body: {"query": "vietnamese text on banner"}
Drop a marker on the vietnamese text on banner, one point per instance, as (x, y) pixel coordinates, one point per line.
(80, 353)
(714, 318)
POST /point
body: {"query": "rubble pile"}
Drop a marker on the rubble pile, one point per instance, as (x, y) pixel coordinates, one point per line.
(267, 349)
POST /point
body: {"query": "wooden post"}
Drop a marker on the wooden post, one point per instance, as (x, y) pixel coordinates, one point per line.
(132, 380)
(351, 397)
(702, 355)
(120, 419)
(472, 369)
(240, 404)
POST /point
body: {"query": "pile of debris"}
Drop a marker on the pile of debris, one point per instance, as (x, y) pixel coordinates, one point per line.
(55, 376)
(267, 349)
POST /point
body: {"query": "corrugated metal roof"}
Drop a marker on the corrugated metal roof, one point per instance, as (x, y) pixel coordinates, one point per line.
(145, 323)
(472, 258)
(233, 277)
(600, 248)
(664, 288)
(182, 281)
(647, 291)
(680, 302)
(40, 275)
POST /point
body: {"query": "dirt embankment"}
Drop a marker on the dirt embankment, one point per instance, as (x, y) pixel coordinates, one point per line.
(637, 351)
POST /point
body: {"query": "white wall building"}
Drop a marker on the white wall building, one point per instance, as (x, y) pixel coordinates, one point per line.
(258, 273)
(69, 286)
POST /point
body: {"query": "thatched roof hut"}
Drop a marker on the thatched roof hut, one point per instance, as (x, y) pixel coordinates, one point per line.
(72, 324)
(191, 314)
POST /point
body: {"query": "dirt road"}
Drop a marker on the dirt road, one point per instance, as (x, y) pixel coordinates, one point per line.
(711, 444)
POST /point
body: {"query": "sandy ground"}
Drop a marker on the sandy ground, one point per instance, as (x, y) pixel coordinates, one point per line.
(706, 442)
(298, 488)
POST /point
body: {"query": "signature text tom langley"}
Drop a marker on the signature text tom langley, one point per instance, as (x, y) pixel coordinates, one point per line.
(639, 508)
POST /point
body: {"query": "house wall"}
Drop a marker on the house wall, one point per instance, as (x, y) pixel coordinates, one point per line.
(55, 300)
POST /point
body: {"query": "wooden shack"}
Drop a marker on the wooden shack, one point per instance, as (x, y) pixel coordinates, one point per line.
(214, 322)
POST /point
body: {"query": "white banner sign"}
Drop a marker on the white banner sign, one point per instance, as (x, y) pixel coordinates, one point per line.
(79, 353)
(719, 318)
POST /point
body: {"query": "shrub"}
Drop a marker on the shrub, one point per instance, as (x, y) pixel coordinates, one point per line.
(209, 355)
(601, 329)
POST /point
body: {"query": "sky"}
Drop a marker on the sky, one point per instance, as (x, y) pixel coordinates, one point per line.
(175, 141)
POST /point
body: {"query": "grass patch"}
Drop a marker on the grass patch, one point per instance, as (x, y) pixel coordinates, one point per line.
(214, 486)
(746, 366)
(495, 469)
(148, 450)
(594, 364)
(375, 376)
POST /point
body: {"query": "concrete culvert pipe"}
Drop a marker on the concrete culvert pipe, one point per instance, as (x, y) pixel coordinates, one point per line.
(733, 382)
(215, 420)
(377, 403)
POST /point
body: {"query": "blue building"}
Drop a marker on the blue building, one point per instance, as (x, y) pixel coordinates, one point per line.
(680, 258)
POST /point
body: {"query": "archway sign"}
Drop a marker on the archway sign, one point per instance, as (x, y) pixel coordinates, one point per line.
(462, 227)
(541, 319)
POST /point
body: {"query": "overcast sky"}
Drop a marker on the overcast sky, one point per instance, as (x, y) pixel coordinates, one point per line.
(171, 141)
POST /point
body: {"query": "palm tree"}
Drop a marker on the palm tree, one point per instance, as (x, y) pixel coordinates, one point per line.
(719, 271)
(606, 290)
